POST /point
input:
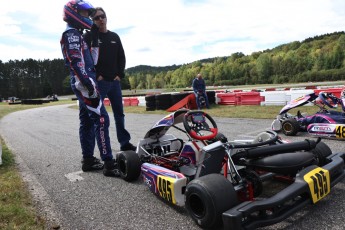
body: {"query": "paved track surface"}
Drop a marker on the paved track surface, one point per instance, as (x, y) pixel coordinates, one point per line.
(45, 142)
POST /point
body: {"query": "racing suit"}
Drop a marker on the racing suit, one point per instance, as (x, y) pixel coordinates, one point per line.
(94, 119)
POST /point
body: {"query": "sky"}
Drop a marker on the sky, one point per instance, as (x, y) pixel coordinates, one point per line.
(172, 32)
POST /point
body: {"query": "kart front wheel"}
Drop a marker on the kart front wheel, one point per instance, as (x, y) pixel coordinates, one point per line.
(129, 165)
(290, 127)
(322, 151)
(208, 197)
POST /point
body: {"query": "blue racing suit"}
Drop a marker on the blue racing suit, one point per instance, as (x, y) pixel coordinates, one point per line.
(94, 119)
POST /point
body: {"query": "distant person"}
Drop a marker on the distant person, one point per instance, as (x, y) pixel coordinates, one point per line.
(94, 119)
(110, 69)
(199, 88)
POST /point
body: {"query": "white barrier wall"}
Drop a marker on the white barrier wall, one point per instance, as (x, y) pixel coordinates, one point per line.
(142, 101)
(274, 98)
(294, 94)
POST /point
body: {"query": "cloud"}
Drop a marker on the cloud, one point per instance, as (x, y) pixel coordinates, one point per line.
(160, 33)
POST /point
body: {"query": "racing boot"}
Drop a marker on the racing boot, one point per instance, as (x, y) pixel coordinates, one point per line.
(91, 164)
(111, 168)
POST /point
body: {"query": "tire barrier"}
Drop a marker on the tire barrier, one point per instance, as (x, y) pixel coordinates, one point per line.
(163, 101)
(176, 97)
(150, 102)
(32, 102)
(267, 97)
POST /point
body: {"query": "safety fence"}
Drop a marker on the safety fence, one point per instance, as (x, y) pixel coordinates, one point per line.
(267, 97)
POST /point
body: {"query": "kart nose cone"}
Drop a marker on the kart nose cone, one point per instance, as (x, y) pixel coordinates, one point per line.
(276, 125)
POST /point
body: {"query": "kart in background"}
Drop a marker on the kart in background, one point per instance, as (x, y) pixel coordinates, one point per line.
(327, 122)
(221, 181)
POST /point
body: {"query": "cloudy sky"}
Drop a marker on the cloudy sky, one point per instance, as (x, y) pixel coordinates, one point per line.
(167, 32)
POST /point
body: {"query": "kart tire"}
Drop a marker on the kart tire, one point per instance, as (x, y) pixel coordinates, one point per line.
(207, 198)
(290, 127)
(129, 165)
(322, 151)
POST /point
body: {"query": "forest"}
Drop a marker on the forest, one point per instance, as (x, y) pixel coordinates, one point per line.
(320, 58)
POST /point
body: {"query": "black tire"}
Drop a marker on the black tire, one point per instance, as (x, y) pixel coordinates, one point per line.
(150, 98)
(208, 197)
(211, 95)
(322, 151)
(175, 98)
(129, 165)
(163, 101)
(290, 127)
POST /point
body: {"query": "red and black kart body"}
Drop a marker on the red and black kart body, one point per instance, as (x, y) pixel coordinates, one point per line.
(221, 181)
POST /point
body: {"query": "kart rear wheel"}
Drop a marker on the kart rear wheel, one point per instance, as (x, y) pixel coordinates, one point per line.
(129, 165)
(322, 151)
(208, 197)
(290, 127)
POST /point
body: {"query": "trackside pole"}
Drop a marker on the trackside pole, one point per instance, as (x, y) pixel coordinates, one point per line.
(0, 153)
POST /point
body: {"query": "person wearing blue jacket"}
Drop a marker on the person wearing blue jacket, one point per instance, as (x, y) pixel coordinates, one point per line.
(94, 119)
(199, 89)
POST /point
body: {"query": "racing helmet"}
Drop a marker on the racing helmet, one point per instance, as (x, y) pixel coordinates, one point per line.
(71, 14)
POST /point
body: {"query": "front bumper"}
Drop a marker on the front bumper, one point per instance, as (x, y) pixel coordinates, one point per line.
(254, 214)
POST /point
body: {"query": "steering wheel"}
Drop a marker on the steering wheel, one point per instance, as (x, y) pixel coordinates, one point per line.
(197, 126)
(328, 99)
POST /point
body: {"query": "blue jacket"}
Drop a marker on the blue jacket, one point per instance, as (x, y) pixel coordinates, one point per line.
(199, 85)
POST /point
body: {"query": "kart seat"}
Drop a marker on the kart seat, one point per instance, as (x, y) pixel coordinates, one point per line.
(285, 163)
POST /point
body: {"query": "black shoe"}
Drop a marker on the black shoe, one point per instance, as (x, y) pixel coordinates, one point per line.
(111, 168)
(91, 164)
(128, 146)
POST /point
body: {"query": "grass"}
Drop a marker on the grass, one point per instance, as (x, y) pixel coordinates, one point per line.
(243, 111)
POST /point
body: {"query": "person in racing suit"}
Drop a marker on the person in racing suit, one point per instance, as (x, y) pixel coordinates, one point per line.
(327, 116)
(199, 88)
(94, 119)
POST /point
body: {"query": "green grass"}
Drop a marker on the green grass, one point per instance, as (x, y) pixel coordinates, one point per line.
(16, 208)
(243, 111)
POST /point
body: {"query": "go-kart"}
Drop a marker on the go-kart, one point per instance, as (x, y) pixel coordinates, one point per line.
(220, 181)
(327, 122)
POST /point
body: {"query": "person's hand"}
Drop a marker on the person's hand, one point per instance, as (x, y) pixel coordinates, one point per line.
(92, 91)
(94, 35)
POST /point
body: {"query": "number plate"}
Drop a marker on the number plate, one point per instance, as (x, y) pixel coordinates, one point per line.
(166, 188)
(340, 131)
(319, 183)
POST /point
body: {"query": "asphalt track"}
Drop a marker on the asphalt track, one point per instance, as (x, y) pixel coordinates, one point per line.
(45, 142)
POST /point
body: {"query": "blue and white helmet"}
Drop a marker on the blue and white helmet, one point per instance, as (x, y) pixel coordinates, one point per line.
(72, 16)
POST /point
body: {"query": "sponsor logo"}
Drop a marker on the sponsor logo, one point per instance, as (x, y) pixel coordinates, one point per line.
(321, 129)
(74, 46)
(102, 136)
(147, 182)
(73, 39)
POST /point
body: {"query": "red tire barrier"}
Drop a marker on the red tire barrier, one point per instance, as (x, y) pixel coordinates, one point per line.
(227, 98)
(249, 98)
(126, 101)
(134, 101)
(335, 91)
